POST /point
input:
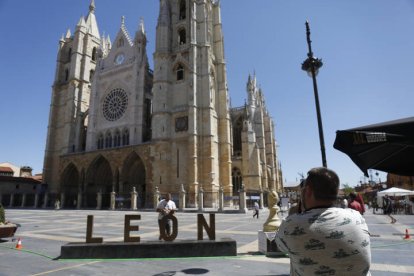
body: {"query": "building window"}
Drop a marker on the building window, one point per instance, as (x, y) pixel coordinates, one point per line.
(117, 139)
(100, 142)
(94, 54)
(91, 74)
(237, 133)
(147, 121)
(237, 180)
(182, 10)
(180, 72)
(69, 54)
(178, 163)
(108, 140)
(125, 137)
(181, 124)
(66, 74)
(181, 36)
(120, 43)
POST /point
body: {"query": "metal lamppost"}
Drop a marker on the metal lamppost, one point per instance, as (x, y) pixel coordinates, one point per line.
(311, 65)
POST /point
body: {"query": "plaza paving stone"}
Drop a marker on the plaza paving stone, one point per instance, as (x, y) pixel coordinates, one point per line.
(43, 232)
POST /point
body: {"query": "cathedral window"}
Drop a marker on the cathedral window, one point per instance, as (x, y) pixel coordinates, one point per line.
(237, 132)
(181, 36)
(66, 74)
(182, 10)
(100, 142)
(125, 137)
(69, 54)
(178, 163)
(180, 72)
(108, 140)
(147, 120)
(94, 54)
(237, 180)
(115, 104)
(91, 73)
(120, 43)
(117, 139)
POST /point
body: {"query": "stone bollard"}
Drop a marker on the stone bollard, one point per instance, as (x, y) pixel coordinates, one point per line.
(156, 197)
(113, 200)
(36, 200)
(242, 202)
(134, 196)
(200, 199)
(182, 198)
(11, 200)
(221, 199)
(45, 200)
(23, 200)
(261, 206)
(62, 200)
(99, 200)
(79, 202)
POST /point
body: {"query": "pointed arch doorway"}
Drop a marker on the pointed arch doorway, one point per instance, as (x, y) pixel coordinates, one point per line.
(99, 178)
(134, 175)
(70, 186)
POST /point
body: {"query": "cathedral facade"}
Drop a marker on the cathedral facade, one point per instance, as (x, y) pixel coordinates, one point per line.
(117, 126)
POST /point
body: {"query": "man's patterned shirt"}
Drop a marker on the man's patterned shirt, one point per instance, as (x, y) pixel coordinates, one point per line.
(326, 241)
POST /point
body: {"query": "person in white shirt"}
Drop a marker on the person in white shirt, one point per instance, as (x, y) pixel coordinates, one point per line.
(323, 239)
(165, 207)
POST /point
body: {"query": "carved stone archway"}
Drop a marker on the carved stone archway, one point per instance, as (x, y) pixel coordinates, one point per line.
(99, 178)
(134, 175)
(70, 183)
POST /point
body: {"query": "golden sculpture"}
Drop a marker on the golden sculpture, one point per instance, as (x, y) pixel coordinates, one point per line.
(273, 222)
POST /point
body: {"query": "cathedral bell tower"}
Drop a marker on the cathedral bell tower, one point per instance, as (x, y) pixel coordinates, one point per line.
(76, 61)
(190, 119)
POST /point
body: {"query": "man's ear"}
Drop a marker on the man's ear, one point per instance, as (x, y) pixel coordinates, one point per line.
(309, 191)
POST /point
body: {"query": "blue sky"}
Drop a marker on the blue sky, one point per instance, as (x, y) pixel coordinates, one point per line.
(368, 75)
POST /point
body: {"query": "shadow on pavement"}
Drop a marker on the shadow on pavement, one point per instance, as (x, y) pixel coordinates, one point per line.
(190, 271)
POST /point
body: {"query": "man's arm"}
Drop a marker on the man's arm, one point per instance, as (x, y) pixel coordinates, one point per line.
(160, 207)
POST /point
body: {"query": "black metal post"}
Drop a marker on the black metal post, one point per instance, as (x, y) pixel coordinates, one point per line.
(312, 64)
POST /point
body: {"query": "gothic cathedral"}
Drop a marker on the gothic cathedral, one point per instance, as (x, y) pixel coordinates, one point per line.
(117, 126)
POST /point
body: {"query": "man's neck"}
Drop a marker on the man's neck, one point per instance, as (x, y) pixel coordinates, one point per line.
(317, 204)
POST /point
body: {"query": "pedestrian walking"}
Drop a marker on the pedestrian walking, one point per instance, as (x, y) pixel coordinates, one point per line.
(388, 207)
(256, 210)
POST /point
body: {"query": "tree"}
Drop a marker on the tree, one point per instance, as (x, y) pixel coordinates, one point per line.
(347, 189)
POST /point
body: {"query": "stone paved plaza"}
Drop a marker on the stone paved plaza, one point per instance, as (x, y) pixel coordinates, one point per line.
(43, 232)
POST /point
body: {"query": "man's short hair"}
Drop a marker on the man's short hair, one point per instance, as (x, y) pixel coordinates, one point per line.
(324, 183)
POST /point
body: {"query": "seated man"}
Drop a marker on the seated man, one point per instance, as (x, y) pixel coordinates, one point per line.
(324, 239)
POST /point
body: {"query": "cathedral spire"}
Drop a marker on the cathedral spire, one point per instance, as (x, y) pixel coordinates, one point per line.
(141, 25)
(140, 36)
(92, 6)
(91, 23)
(68, 34)
(164, 16)
(124, 31)
(122, 21)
